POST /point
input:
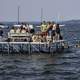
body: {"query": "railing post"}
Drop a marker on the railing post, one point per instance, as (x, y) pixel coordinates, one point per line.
(29, 45)
(8, 47)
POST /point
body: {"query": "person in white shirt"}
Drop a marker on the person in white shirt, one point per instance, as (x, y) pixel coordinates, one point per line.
(31, 27)
(12, 30)
(53, 31)
(23, 30)
(18, 30)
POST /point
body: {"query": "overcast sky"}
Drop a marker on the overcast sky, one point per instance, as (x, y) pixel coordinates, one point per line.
(30, 10)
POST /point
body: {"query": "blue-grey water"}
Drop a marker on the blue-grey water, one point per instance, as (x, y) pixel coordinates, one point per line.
(60, 66)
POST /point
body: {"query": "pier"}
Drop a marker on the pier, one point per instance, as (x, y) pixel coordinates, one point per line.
(33, 47)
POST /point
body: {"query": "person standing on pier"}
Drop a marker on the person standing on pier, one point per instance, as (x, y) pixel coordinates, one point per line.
(1, 34)
(43, 27)
(58, 33)
(31, 27)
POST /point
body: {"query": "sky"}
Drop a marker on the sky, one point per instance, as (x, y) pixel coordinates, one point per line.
(30, 10)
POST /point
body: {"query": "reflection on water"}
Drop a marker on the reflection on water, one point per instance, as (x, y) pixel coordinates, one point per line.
(63, 66)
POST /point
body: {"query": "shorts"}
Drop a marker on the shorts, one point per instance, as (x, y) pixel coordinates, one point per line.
(49, 32)
(53, 32)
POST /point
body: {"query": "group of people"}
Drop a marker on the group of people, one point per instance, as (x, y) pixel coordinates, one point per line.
(23, 29)
(51, 30)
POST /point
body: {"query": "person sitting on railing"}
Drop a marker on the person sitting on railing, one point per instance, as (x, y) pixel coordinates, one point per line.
(27, 27)
(31, 28)
(36, 38)
(23, 30)
(43, 27)
(18, 30)
(13, 30)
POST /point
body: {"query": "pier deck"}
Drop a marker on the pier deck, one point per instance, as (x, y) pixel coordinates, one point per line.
(32, 47)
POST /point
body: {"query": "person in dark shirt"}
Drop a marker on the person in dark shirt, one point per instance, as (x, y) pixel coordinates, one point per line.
(57, 29)
(1, 32)
(58, 32)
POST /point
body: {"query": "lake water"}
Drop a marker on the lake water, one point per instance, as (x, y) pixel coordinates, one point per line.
(60, 66)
